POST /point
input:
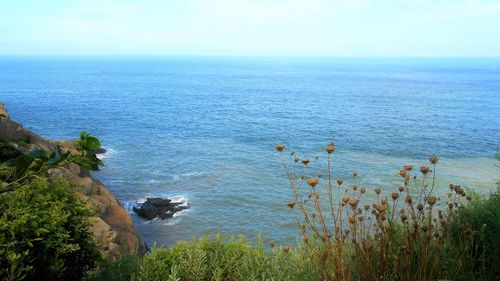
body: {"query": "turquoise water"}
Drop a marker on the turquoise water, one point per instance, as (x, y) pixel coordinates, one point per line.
(204, 129)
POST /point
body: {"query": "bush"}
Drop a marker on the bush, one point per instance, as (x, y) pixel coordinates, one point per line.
(481, 224)
(217, 259)
(44, 233)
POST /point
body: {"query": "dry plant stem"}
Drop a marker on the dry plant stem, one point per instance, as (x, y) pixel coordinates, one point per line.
(297, 199)
(330, 190)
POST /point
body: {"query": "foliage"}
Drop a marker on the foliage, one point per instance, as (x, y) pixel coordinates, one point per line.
(19, 168)
(122, 269)
(43, 233)
(221, 259)
(481, 222)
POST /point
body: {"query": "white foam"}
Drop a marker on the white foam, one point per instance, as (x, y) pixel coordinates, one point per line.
(180, 177)
(109, 152)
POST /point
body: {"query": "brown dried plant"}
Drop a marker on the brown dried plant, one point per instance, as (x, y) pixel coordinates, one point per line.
(356, 234)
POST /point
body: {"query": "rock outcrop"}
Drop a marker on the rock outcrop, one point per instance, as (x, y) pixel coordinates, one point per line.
(112, 228)
(163, 208)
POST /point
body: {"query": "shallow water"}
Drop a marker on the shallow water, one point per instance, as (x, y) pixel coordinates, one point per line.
(204, 129)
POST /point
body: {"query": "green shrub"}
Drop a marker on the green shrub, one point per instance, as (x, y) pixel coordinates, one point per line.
(44, 233)
(479, 224)
(121, 270)
(224, 259)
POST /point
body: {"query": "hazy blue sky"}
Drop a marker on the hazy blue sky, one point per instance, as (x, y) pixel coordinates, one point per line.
(251, 27)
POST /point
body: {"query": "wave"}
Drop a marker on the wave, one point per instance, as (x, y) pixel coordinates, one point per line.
(177, 178)
(109, 152)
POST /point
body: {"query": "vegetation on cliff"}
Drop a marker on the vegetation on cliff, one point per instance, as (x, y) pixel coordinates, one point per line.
(43, 229)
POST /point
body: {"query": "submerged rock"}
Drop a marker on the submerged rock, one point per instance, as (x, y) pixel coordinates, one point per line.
(163, 208)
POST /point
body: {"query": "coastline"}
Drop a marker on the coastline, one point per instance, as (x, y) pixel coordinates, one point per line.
(112, 227)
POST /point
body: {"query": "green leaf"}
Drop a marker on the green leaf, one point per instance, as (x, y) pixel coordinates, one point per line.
(40, 154)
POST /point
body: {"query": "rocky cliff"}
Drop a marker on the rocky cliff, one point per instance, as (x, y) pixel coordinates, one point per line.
(112, 227)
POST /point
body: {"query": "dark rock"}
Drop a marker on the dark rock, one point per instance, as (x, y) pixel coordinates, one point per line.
(166, 215)
(159, 202)
(146, 210)
(158, 207)
(100, 150)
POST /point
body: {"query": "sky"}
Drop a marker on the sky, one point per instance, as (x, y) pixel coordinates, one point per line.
(355, 28)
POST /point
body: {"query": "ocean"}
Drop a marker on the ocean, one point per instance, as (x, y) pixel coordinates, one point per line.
(203, 129)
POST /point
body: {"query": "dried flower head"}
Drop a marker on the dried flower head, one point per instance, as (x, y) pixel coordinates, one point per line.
(401, 189)
(468, 197)
(395, 196)
(291, 204)
(404, 217)
(408, 199)
(352, 219)
(296, 159)
(280, 147)
(330, 148)
(313, 181)
(305, 161)
(363, 189)
(367, 207)
(353, 203)
(378, 190)
(286, 249)
(340, 181)
(354, 187)
(354, 174)
(403, 173)
(420, 207)
(407, 167)
(431, 200)
(433, 159)
(424, 169)
(272, 244)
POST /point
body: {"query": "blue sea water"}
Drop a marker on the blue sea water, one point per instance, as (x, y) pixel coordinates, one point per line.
(204, 128)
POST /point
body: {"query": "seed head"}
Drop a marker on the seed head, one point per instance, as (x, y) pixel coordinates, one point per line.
(367, 207)
(433, 159)
(354, 187)
(403, 173)
(401, 189)
(352, 219)
(291, 204)
(404, 217)
(353, 203)
(280, 147)
(431, 200)
(272, 244)
(286, 249)
(420, 207)
(340, 181)
(363, 189)
(395, 196)
(296, 159)
(424, 169)
(451, 186)
(330, 148)
(408, 199)
(354, 174)
(378, 190)
(407, 167)
(305, 162)
(312, 182)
